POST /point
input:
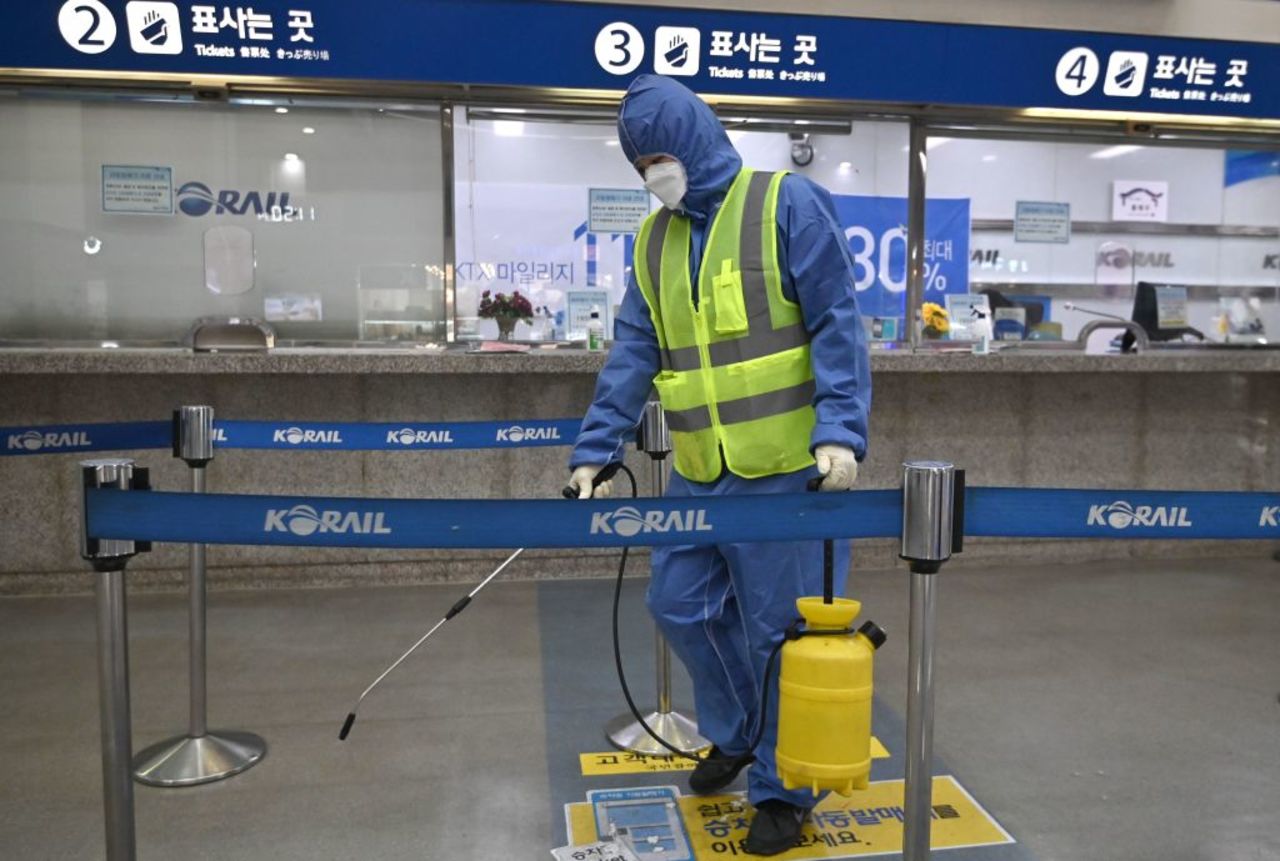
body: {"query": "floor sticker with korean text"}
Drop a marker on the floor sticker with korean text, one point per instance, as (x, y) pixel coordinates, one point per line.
(865, 824)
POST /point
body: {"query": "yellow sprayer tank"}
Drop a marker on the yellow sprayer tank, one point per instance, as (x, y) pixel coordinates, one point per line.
(824, 705)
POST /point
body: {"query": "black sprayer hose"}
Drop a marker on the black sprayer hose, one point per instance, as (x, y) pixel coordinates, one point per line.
(622, 676)
(617, 648)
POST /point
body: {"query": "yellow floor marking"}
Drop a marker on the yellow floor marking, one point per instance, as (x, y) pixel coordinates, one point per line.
(867, 823)
(620, 762)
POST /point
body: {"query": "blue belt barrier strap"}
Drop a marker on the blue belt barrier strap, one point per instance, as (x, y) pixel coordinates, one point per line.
(1042, 513)
(70, 439)
(398, 436)
(424, 523)
(421, 523)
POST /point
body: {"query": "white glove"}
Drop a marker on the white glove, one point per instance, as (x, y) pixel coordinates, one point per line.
(581, 482)
(838, 466)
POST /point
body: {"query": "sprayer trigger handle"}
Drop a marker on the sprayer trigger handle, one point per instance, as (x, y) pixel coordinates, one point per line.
(607, 472)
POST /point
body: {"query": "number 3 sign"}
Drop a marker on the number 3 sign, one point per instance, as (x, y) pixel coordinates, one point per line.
(619, 48)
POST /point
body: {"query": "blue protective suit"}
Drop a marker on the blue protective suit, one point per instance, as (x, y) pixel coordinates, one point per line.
(723, 607)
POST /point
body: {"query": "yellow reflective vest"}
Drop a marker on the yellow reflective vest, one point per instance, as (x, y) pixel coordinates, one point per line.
(735, 372)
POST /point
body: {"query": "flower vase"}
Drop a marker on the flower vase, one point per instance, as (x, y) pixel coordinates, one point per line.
(506, 326)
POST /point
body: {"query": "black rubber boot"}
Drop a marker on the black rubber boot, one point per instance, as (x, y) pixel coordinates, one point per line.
(717, 770)
(776, 827)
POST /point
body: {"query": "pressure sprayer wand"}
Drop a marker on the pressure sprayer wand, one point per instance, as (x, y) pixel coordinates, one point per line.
(453, 611)
(604, 475)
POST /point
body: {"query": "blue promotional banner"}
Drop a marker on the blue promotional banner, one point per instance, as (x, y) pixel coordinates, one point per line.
(601, 46)
(71, 439)
(877, 231)
(397, 436)
(356, 522)
(1245, 165)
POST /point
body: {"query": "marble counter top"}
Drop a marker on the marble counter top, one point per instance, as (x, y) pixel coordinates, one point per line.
(568, 361)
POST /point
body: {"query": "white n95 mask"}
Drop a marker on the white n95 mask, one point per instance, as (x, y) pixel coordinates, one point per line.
(667, 182)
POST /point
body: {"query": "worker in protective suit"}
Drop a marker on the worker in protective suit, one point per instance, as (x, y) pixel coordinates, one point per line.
(741, 312)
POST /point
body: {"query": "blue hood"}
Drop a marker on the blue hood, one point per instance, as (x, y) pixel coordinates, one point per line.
(659, 116)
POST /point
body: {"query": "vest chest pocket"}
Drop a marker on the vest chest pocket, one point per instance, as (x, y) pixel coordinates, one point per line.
(728, 302)
(680, 391)
(764, 374)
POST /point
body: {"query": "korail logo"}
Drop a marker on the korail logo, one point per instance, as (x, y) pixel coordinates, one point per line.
(1116, 257)
(420, 436)
(516, 433)
(629, 522)
(304, 520)
(1123, 258)
(1270, 516)
(298, 436)
(1120, 515)
(197, 199)
(35, 441)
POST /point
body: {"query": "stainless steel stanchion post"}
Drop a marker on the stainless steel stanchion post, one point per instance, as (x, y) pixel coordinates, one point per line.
(928, 505)
(200, 756)
(624, 731)
(109, 558)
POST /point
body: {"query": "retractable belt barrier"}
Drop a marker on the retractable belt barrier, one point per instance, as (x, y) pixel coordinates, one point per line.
(932, 512)
(73, 439)
(480, 523)
(375, 436)
(431, 523)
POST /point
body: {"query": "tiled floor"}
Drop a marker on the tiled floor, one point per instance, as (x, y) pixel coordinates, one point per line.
(1101, 712)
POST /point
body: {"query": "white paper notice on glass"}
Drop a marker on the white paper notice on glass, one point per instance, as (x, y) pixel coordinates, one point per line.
(137, 190)
(578, 305)
(616, 210)
(1139, 200)
(1042, 221)
(970, 315)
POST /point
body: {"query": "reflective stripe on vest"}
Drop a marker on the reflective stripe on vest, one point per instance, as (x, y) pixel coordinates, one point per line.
(736, 378)
(743, 409)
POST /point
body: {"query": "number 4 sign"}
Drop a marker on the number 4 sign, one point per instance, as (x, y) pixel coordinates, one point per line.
(1078, 71)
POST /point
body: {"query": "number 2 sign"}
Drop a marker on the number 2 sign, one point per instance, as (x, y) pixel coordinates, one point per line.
(87, 25)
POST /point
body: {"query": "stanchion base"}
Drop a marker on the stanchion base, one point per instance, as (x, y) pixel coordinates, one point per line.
(188, 761)
(625, 733)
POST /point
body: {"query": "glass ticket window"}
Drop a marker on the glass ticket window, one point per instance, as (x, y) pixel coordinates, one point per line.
(523, 201)
(129, 218)
(863, 164)
(525, 219)
(1181, 239)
